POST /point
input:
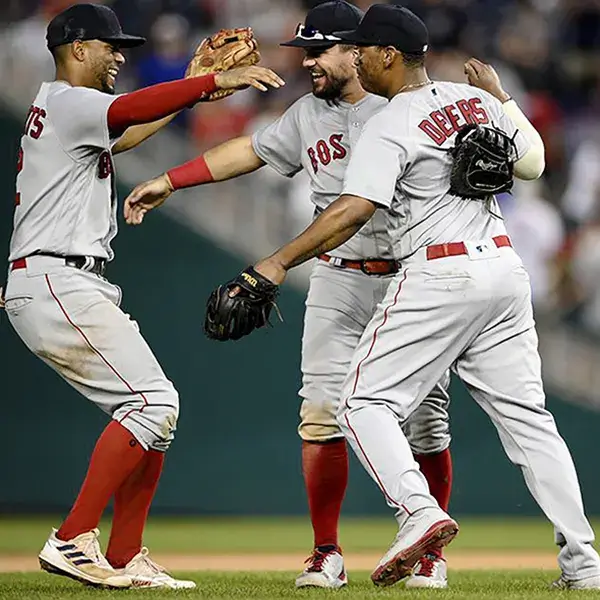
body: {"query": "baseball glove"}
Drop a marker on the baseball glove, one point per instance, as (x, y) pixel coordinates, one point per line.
(226, 49)
(482, 162)
(232, 317)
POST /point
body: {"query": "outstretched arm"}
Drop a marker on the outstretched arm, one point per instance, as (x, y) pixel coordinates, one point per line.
(158, 101)
(223, 51)
(226, 161)
(334, 226)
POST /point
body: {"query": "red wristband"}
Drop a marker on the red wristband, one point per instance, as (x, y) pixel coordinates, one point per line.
(191, 173)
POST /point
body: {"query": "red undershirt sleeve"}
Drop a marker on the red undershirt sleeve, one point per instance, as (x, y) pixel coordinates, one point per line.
(157, 101)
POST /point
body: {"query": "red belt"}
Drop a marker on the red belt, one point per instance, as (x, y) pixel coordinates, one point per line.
(458, 248)
(20, 263)
(371, 266)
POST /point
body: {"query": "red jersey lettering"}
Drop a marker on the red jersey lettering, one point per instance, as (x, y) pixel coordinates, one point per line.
(432, 131)
(335, 141)
(35, 122)
(453, 116)
(441, 125)
(465, 110)
(105, 167)
(322, 152)
(478, 111)
(440, 120)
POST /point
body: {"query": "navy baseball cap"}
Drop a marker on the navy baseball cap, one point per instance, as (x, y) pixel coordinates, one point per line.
(389, 25)
(88, 22)
(320, 23)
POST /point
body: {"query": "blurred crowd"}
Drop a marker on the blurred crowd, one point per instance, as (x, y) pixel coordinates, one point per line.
(547, 53)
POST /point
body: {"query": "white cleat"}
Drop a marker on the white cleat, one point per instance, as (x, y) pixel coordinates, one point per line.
(145, 573)
(430, 572)
(324, 570)
(589, 583)
(426, 530)
(81, 559)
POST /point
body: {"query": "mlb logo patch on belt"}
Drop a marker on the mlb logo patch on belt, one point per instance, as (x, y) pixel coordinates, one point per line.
(482, 249)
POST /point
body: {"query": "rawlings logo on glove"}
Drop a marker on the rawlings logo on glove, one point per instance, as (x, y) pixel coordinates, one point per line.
(240, 306)
(225, 50)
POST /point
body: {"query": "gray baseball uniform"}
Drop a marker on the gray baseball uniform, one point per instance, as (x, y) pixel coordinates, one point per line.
(69, 317)
(461, 300)
(318, 137)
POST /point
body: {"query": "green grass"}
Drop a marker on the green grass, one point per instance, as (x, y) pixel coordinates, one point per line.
(275, 535)
(530, 585)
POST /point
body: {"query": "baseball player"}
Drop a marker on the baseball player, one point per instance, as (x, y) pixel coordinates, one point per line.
(63, 308)
(317, 134)
(461, 299)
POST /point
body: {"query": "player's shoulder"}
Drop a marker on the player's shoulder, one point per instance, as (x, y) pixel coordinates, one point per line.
(304, 103)
(385, 120)
(61, 95)
(466, 90)
(374, 103)
(301, 109)
(62, 89)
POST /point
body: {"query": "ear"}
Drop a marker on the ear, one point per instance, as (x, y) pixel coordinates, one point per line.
(389, 56)
(78, 50)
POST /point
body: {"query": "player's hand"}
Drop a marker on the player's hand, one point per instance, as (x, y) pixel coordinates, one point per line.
(272, 270)
(257, 77)
(145, 197)
(484, 76)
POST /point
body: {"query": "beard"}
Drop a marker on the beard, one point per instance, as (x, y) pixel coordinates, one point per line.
(103, 79)
(105, 86)
(332, 90)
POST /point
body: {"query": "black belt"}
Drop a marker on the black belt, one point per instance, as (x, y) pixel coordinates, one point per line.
(90, 264)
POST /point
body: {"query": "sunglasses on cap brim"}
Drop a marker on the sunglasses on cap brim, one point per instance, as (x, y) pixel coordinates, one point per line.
(310, 33)
(310, 37)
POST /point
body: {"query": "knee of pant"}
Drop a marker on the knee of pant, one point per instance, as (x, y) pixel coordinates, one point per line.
(427, 437)
(155, 422)
(340, 416)
(317, 420)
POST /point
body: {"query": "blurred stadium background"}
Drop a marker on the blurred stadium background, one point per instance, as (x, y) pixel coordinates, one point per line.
(237, 452)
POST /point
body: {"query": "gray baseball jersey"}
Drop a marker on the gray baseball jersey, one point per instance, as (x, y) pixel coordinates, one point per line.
(318, 137)
(70, 318)
(402, 162)
(469, 309)
(66, 198)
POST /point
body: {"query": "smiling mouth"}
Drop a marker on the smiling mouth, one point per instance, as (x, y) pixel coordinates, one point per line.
(112, 73)
(316, 76)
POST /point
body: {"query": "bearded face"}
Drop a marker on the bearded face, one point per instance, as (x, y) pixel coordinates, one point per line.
(331, 69)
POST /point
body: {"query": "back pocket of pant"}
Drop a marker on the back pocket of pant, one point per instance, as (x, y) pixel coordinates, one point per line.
(15, 304)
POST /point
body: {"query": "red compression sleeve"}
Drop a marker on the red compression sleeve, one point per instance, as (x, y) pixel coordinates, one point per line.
(157, 101)
(193, 172)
